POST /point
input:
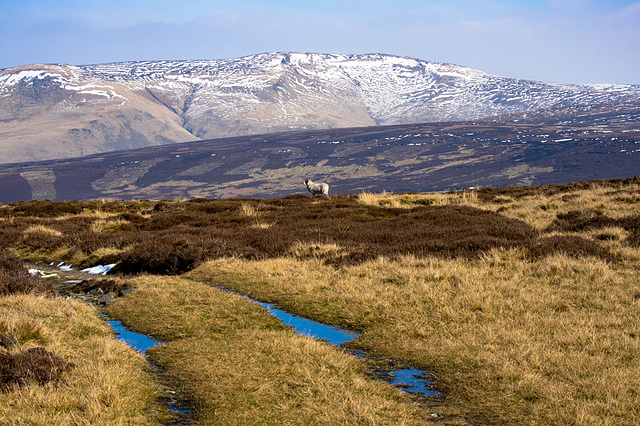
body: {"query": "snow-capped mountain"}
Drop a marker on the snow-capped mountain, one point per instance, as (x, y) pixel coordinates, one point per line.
(61, 111)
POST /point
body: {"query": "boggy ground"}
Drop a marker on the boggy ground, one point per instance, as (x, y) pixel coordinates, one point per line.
(523, 302)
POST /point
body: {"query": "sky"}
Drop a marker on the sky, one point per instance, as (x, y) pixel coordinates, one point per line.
(568, 41)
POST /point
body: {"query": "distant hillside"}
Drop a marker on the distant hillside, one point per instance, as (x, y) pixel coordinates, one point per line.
(560, 146)
(64, 111)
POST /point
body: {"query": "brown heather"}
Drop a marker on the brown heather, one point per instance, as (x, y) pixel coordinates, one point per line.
(14, 277)
(523, 302)
(172, 237)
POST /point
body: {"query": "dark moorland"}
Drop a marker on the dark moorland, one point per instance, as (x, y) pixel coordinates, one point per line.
(174, 236)
(554, 146)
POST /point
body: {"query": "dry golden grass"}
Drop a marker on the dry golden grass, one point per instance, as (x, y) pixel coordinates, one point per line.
(386, 199)
(108, 251)
(277, 377)
(262, 225)
(109, 384)
(243, 366)
(252, 210)
(43, 230)
(540, 210)
(99, 215)
(512, 341)
(302, 250)
(105, 225)
(249, 210)
(512, 338)
(389, 199)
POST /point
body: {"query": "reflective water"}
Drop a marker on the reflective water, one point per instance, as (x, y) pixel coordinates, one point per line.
(310, 328)
(411, 380)
(407, 379)
(140, 342)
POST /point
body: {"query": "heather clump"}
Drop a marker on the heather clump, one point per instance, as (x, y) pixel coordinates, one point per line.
(32, 365)
(15, 278)
(571, 245)
(162, 254)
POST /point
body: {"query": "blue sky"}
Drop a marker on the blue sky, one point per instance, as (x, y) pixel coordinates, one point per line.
(573, 41)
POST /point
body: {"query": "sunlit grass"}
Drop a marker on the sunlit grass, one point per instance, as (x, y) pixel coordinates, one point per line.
(506, 337)
(242, 366)
(43, 230)
(105, 225)
(109, 383)
(515, 332)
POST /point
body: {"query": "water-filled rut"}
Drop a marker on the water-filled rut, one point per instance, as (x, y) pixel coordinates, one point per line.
(408, 379)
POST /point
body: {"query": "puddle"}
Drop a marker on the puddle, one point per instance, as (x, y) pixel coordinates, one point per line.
(174, 401)
(140, 342)
(310, 328)
(410, 380)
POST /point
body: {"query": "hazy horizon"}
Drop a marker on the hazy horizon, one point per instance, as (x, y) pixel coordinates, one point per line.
(569, 41)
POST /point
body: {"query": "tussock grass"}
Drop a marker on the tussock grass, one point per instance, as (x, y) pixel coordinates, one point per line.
(262, 225)
(388, 199)
(252, 211)
(108, 384)
(43, 230)
(118, 225)
(302, 250)
(249, 210)
(242, 366)
(512, 341)
(538, 206)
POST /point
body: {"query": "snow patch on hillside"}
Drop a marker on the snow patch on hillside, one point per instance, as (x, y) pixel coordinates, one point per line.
(299, 90)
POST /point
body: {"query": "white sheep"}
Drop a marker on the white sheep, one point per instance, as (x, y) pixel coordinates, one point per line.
(317, 188)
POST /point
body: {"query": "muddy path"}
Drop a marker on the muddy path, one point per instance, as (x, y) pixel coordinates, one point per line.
(98, 291)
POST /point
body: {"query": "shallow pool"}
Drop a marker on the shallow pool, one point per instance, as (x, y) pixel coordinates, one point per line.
(306, 327)
(408, 379)
(138, 341)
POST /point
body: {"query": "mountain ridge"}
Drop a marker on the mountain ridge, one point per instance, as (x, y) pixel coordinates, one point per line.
(64, 111)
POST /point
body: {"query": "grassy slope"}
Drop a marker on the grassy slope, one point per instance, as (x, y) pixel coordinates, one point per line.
(523, 327)
(548, 341)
